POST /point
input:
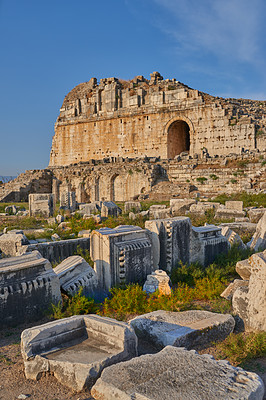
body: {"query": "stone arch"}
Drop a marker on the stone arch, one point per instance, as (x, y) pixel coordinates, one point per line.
(117, 187)
(179, 131)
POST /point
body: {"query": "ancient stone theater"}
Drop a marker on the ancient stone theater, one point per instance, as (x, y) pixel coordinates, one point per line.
(120, 140)
(152, 118)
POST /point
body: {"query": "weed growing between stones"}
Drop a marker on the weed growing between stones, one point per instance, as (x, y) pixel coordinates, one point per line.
(249, 199)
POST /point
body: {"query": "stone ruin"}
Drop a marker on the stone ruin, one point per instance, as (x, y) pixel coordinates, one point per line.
(152, 118)
(28, 287)
(41, 205)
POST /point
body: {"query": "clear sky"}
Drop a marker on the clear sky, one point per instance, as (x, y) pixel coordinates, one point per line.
(50, 46)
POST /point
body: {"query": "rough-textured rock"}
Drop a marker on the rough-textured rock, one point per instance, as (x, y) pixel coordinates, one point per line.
(230, 290)
(243, 268)
(258, 241)
(158, 280)
(75, 273)
(110, 209)
(232, 237)
(76, 349)
(188, 328)
(132, 206)
(234, 205)
(180, 206)
(11, 243)
(41, 205)
(28, 287)
(250, 303)
(175, 373)
(255, 214)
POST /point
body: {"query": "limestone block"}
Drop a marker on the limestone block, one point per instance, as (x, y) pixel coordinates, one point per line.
(68, 200)
(158, 280)
(250, 303)
(258, 241)
(174, 237)
(243, 268)
(230, 290)
(75, 273)
(188, 328)
(132, 206)
(229, 213)
(86, 233)
(180, 206)
(255, 214)
(206, 243)
(176, 373)
(232, 237)
(234, 205)
(110, 209)
(90, 208)
(160, 213)
(11, 243)
(28, 286)
(202, 207)
(76, 349)
(41, 205)
(121, 255)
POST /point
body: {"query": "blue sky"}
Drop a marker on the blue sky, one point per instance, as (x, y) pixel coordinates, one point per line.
(48, 47)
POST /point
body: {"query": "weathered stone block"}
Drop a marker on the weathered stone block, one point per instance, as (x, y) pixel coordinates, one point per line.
(132, 206)
(234, 205)
(176, 373)
(174, 237)
(121, 255)
(230, 290)
(28, 287)
(68, 200)
(41, 205)
(76, 349)
(190, 329)
(206, 243)
(110, 209)
(243, 268)
(158, 280)
(258, 241)
(11, 243)
(232, 237)
(75, 273)
(250, 303)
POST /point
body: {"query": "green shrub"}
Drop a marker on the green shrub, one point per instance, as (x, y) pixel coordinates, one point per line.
(240, 348)
(201, 179)
(84, 253)
(213, 177)
(76, 305)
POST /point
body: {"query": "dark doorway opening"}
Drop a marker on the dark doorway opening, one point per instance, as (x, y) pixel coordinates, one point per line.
(178, 138)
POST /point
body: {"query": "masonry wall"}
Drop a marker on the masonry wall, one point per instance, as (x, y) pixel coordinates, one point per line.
(133, 119)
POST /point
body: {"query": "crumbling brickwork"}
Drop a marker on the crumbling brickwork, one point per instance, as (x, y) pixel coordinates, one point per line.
(152, 118)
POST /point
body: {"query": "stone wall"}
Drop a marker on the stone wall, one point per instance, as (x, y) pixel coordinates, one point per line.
(125, 179)
(152, 118)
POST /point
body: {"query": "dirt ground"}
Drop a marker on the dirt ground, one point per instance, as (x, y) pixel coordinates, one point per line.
(13, 383)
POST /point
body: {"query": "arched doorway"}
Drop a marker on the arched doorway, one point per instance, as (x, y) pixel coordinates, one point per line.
(178, 139)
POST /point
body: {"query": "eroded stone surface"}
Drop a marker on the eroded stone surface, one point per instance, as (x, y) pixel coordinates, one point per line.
(75, 273)
(258, 241)
(175, 373)
(28, 287)
(76, 349)
(250, 302)
(188, 328)
(158, 280)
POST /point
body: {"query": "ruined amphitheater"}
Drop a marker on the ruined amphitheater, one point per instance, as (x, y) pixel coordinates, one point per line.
(119, 140)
